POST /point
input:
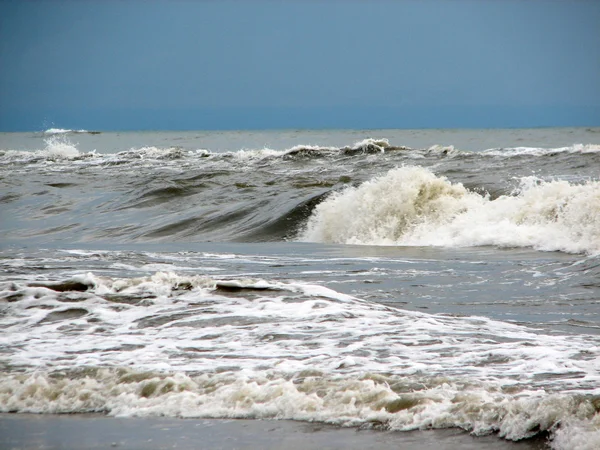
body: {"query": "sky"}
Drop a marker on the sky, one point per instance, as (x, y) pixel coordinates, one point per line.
(249, 64)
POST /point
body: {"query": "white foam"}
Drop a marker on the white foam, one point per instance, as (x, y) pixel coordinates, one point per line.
(412, 206)
(397, 403)
(578, 433)
(288, 309)
(286, 350)
(256, 154)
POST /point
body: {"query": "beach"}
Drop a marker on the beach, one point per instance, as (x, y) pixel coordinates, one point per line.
(26, 431)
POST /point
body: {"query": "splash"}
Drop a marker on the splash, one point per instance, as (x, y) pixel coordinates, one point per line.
(59, 147)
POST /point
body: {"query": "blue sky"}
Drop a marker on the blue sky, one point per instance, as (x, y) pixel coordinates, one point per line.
(119, 65)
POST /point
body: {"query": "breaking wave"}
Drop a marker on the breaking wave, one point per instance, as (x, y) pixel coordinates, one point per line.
(412, 206)
(377, 401)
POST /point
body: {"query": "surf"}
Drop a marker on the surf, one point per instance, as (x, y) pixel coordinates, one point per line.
(413, 206)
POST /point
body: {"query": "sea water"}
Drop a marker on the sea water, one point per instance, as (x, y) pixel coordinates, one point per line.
(384, 279)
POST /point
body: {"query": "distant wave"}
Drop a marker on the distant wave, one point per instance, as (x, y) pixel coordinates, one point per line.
(52, 131)
(57, 142)
(366, 146)
(538, 151)
(412, 206)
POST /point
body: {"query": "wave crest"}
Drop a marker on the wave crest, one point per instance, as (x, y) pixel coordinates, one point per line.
(412, 206)
(380, 401)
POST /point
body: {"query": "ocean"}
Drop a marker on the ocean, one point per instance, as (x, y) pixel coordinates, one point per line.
(380, 280)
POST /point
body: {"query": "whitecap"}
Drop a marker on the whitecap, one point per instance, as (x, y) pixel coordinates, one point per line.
(412, 206)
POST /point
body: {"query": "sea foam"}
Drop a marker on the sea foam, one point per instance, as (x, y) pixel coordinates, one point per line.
(413, 206)
(380, 401)
(196, 346)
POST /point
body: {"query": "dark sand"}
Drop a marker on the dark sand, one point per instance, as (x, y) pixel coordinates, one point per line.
(94, 431)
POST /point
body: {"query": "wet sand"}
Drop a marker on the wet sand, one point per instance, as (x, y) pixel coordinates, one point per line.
(95, 431)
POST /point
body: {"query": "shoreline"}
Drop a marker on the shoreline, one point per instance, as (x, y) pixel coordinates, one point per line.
(98, 431)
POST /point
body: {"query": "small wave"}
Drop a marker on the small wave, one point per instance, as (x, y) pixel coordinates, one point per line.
(378, 401)
(412, 206)
(296, 152)
(366, 146)
(159, 153)
(57, 147)
(540, 151)
(380, 146)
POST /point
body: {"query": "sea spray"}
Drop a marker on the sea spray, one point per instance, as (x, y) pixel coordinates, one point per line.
(59, 147)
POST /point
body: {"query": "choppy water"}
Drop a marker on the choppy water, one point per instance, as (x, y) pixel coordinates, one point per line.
(391, 279)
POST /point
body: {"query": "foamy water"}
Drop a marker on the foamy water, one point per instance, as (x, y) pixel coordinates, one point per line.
(413, 206)
(185, 346)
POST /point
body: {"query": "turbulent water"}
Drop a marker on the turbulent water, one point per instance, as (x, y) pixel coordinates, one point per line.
(393, 279)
